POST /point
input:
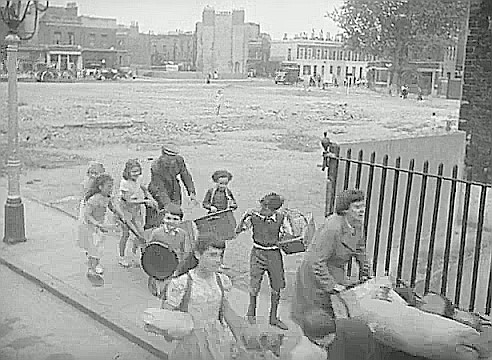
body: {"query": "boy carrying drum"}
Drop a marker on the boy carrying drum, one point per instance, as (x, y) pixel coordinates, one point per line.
(174, 237)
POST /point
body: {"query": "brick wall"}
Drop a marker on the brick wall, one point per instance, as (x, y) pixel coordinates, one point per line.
(476, 101)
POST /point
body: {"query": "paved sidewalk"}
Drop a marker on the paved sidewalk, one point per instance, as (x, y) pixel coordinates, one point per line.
(51, 259)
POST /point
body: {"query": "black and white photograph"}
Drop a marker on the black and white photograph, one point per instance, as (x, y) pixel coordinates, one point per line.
(245, 180)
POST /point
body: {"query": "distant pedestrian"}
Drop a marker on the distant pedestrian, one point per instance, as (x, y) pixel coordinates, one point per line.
(132, 196)
(404, 91)
(97, 201)
(420, 94)
(219, 97)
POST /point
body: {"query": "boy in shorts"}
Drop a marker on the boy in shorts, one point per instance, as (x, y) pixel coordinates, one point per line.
(268, 225)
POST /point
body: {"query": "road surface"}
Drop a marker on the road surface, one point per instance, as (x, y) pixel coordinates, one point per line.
(34, 324)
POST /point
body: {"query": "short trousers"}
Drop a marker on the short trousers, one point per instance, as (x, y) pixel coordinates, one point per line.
(270, 261)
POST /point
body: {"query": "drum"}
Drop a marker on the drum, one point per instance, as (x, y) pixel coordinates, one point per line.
(221, 223)
(292, 245)
(158, 261)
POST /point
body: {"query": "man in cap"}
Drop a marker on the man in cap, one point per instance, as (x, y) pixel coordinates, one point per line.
(164, 184)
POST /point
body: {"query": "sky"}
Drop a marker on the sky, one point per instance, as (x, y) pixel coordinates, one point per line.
(275, 17)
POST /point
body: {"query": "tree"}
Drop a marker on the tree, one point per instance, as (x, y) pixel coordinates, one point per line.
(396, 31)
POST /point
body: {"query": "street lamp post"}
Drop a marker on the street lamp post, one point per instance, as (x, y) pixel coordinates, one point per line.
(13, 14)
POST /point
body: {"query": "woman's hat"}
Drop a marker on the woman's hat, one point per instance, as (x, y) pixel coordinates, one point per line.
(221, 173)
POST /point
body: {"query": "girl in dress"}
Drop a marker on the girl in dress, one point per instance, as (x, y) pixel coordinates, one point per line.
(208, 304)
(132, 195)
(93, 170)
(97, 201)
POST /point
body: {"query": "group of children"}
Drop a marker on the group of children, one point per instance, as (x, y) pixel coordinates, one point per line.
(97, 198)
(267, 224)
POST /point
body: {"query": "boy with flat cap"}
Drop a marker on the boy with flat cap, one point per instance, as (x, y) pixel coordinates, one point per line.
(268, 225)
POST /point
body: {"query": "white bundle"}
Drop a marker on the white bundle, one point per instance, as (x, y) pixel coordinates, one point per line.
(175, 323)
(409, 329)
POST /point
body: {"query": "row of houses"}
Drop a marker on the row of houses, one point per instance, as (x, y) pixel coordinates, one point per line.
(222, 42)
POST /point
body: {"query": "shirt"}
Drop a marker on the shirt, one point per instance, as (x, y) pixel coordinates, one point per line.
(219, 197)
(131, 190)
(267, 230)
(96, 207)
(307, 350)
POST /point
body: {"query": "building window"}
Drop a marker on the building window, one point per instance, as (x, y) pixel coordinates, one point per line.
(298, 52)
(325, 54)
(71, 38)
(346, 70)
(360, 72)
(315, 70)
(301, 53)
(289, 54)
(339, 70)
(104, 40)
(331, 69)
(306, 70)
(353, 71)
(318, 54)
(340, 55)
(310, 53)
(57, 38)
(92, 40)
(323, 70)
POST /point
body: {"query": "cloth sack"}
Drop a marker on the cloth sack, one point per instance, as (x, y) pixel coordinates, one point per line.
(175, 324)
(409, 329)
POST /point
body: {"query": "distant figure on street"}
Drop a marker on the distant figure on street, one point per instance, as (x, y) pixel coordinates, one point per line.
(404, 91)
(218, 101)
(420, 94)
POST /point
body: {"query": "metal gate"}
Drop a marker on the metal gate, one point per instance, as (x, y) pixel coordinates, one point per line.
(442, 215)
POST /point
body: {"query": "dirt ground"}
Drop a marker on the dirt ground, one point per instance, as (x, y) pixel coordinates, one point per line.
(266, 135)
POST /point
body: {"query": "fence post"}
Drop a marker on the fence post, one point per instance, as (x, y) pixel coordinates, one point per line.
(330, 162)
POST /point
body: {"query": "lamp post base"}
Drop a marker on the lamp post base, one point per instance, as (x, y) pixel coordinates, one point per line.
(14, 222)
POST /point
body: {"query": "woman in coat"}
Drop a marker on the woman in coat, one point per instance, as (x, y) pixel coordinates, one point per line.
(322, 272)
